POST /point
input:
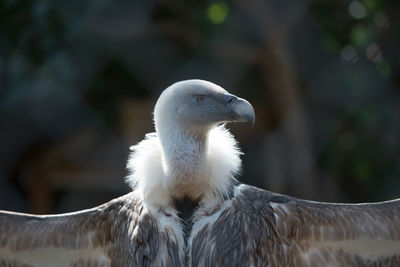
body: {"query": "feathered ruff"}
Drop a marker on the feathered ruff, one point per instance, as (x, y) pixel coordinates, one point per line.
(147, 167)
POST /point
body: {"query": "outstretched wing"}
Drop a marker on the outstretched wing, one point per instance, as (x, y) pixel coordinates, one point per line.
(83, 238)
(326, 234)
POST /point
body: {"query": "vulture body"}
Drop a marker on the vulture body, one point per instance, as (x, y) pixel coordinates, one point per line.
(187, 209)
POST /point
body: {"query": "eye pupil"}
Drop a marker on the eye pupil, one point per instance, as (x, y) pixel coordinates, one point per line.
(200, 98)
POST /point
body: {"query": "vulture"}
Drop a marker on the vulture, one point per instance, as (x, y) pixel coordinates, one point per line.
(187, 209)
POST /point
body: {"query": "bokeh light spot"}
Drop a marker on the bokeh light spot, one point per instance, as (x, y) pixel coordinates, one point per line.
(359, 36)
(217, 12)
(348, 54)
(384, 68)
(357, 10)
(373, 53)
(380, 19)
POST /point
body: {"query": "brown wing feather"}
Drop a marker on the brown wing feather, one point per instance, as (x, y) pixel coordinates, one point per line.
(326, 234)
(93, 237)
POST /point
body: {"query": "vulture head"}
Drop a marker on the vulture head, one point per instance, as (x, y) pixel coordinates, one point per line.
(196, 106)
(191, 155)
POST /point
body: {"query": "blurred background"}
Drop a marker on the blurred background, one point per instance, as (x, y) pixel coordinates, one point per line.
(79, 79)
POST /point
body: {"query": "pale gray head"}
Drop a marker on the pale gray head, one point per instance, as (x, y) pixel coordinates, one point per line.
(185, 117)
(195, 106)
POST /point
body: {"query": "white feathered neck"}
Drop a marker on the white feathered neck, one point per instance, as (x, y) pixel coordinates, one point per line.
(149, 170)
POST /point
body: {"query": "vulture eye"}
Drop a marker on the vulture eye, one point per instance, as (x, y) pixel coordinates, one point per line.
(200, 98)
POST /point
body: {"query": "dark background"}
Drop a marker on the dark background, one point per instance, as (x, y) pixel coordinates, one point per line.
(79, 79)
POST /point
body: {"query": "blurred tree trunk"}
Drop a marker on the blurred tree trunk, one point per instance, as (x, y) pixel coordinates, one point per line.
(292, 168)
(292, 135)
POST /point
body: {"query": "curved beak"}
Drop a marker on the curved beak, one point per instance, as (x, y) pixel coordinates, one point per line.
(240, 109)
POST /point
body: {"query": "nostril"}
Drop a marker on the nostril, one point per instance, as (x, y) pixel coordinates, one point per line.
(229, 99)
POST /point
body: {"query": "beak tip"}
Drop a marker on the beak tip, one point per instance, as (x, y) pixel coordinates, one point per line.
(244, 111)
(252, 119)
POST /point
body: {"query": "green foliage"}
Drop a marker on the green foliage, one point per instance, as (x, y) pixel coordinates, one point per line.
(217, 12)
(359, 36)
(383, 67)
